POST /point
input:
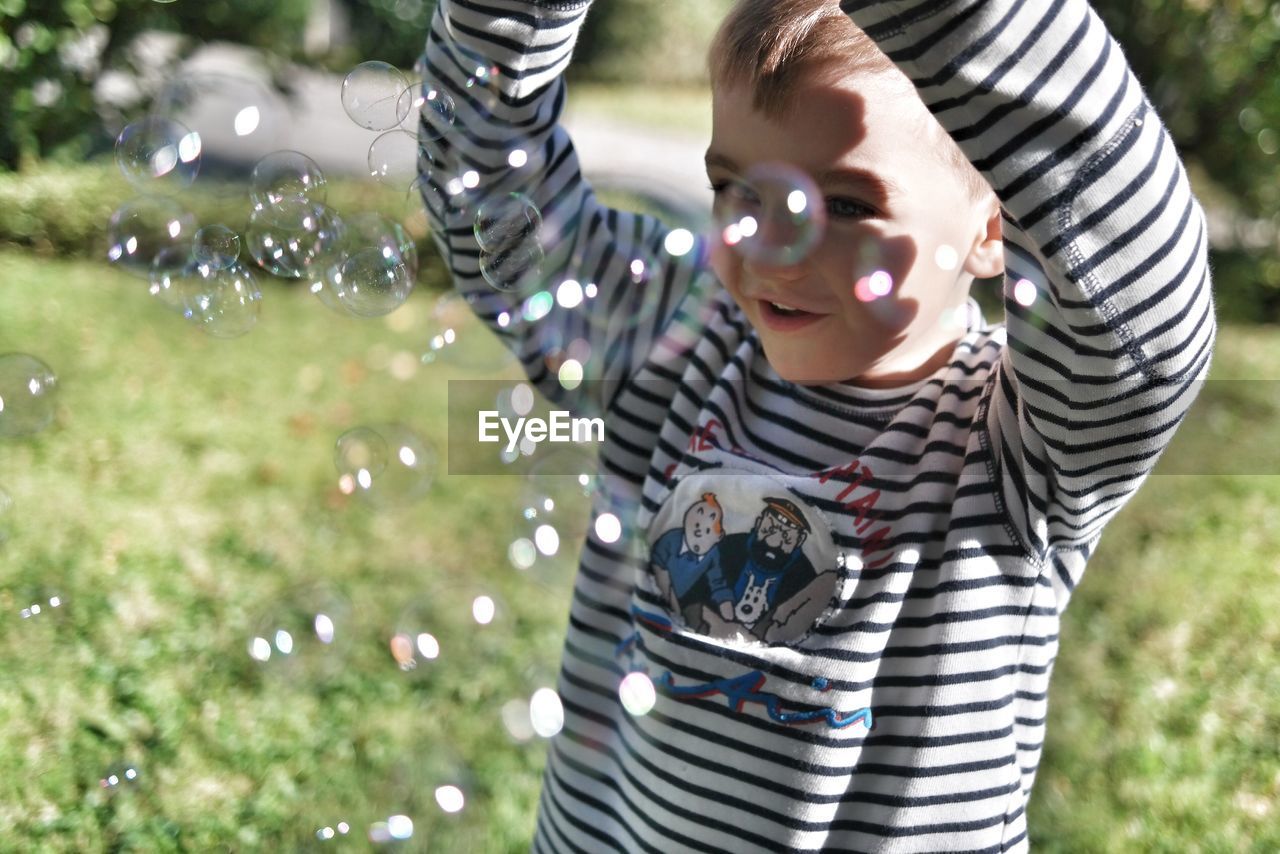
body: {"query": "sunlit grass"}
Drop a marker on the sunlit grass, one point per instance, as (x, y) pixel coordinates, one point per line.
(187, 488)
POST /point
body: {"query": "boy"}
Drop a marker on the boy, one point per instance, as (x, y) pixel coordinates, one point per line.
(945, 480)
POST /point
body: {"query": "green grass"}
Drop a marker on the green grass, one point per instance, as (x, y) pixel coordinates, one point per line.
(186, 488)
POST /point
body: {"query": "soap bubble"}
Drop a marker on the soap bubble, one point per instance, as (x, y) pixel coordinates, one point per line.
(482, 82)
(393, 159)
(513, 268)
(28, 394)
(776, 215)
(39, 603)
(145, 228)
(230, 112)
(215, 245)
(416, 641)
(305, 633)
(375, 267)
(644, 297)
(333, 831)
(170, 280)
(158, 151)
(286, 174)
(506, 222)
(224, 301)
(559, 489)
(457, 337)
(384, 464)
(546, 712)
(371, 282)
(371, 95)
(428, 110)
(292, 237)
(119, 777)
(637, 693)
(396, 828)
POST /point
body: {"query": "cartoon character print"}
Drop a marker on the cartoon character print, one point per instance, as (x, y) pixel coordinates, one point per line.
(756, 584)
(686, 564)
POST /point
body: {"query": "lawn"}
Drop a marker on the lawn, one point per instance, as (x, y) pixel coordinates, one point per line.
(186, 497)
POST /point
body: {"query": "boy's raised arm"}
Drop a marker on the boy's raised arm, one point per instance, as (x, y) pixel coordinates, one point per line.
(1111, 331)
(501, 63)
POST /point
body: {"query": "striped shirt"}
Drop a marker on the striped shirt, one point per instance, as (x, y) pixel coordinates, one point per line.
(899, 558)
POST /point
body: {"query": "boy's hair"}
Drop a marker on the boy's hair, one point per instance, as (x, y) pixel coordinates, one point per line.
(710, 498)
(774, 45)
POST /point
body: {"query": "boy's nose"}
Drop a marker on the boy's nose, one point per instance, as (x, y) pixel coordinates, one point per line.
(769, 272)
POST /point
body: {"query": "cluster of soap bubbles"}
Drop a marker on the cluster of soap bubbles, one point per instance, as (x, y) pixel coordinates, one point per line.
(364, 265)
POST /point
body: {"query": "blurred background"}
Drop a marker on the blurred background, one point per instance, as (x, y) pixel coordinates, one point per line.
(212, 640)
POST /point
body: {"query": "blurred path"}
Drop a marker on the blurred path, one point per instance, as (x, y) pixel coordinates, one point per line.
(309, 118)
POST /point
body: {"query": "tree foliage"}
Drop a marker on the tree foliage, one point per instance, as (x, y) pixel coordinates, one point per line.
(53, 52)
(1212, 70)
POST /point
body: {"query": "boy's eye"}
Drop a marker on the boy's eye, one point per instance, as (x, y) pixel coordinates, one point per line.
(843, 207)
(734, 193)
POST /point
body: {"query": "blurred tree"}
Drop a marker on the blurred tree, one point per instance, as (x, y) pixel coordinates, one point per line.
(52, 52)
(393, 31)
(653, 41)
(1212, 70)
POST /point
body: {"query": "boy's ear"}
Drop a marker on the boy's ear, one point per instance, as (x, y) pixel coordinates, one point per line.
(986, 255)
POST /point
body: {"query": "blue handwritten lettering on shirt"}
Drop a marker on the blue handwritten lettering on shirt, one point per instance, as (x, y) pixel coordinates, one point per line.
(737, 690)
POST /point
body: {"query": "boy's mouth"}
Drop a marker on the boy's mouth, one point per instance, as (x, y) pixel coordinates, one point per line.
(784, 318)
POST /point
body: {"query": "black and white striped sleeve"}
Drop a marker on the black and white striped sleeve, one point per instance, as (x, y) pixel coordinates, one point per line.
(1108, 308)
(501, 63)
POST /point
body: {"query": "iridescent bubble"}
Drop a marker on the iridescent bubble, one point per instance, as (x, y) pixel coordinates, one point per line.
(371, 95)
(145, 228)
(775, 215)
(393, 159)
(546, 712)
(284, 175)
(558, 492)
(415, 641)
(230, 112)
(170, 278)
(637, 693)
(522, 553)
(512, 268)
(158, 152)
(457, 337)
(28, 395)
(216, 246)
(506, 221)
(120, 777)
(292, 237)
(608, 528)
(333, 831)
(429, 111)
(384, 464)
(643, 297)
(304, 633)
(396, 828)
(375, 269)
(40, 603)
(371, 282)
(223, 301)
(1024, 292)
(873, 287)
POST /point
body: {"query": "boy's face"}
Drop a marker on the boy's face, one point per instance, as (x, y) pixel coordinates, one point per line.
(702, 527)
(917, 223)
